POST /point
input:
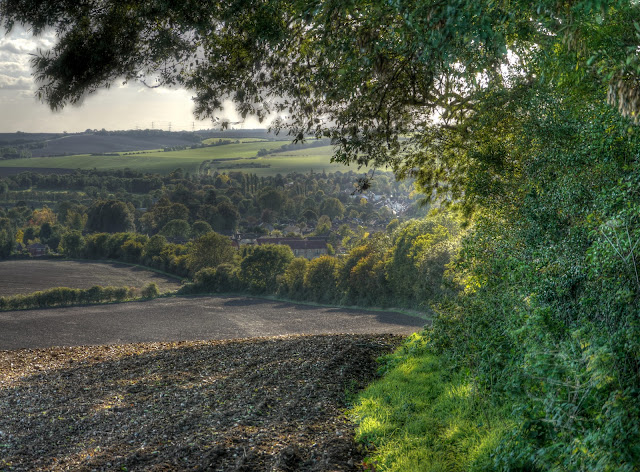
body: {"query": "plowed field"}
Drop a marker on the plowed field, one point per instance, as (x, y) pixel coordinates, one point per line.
(27, 276)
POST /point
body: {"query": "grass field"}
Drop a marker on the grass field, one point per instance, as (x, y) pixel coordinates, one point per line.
(242, 140)
(28, 276)
(157, 161)
(302, 161)
(240, 157)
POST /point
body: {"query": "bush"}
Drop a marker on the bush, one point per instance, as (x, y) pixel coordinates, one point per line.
(150, 290)
(224, 278)
(321, 278)
(362, 275)
(64, 296)
(292, 283)
(262, 265)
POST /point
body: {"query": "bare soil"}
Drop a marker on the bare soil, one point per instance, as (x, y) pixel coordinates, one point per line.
(28, 276)
(272, 404)
(190, 319)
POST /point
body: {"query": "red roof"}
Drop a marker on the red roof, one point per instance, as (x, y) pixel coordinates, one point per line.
(294, 243)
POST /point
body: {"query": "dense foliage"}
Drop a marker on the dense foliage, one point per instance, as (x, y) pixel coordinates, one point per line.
(367, 275)
(183, 206)
(175, 233)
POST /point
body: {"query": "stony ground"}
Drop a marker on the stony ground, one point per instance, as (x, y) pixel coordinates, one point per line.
(272, 404)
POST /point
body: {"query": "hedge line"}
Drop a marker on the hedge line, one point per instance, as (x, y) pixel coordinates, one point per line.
(65, 296)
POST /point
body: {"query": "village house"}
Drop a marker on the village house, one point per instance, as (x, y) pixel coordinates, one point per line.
(309, 249)
(37, 249)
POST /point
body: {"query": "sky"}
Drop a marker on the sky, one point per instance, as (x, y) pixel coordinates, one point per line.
(128, 106)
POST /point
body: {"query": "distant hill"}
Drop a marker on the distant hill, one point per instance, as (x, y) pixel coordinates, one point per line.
(17, 139)
(102, 142)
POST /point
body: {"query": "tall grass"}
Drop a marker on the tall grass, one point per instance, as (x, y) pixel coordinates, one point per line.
(421, 416)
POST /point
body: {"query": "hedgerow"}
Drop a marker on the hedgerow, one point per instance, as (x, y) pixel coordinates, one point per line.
(64, 296)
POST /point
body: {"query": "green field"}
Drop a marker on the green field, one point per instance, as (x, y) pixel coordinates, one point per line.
(239, 157)
(302, 161)
(242, 140)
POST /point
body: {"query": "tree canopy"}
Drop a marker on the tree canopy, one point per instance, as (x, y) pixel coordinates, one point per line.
(391, 83)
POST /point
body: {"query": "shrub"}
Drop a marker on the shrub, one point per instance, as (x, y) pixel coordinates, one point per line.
(320, 279)
(150, 290)
(262, 265)
(224, 278)
(292, 283)
(362, 274)
(64, 296)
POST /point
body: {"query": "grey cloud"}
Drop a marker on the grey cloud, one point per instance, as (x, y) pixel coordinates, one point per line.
(14, 69)
(13, 83)
(21, 47)
(10, 48)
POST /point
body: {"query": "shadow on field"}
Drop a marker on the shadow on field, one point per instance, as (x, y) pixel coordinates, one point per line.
(263, 404)
(239, 302)
(288, 305)
(120, 265)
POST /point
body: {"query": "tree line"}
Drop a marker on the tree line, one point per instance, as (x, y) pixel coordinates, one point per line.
(183, 207)
(404, 266)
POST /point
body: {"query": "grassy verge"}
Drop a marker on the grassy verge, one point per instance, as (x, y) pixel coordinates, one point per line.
(420, 416)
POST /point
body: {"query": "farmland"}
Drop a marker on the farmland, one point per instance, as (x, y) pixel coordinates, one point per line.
(302, 161)
(27, 276)
(261, 404)
(154, 161)
(241, 156)
(190, 318)
(85, 143)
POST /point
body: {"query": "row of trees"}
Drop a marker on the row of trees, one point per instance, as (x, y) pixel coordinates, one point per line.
(179, 207)
(404, 267)
(64, 296)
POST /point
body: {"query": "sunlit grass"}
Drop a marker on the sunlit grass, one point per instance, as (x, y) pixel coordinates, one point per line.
(229, 157)
(156, 161)
(242, 140)
(422, 417)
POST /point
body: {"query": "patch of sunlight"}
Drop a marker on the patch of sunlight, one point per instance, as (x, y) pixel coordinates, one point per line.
(480, 452)
(127, 382)
(420, 417)
(450, 432)
(459, 391)
(370, 424)
(86, 456)
(408, 367)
